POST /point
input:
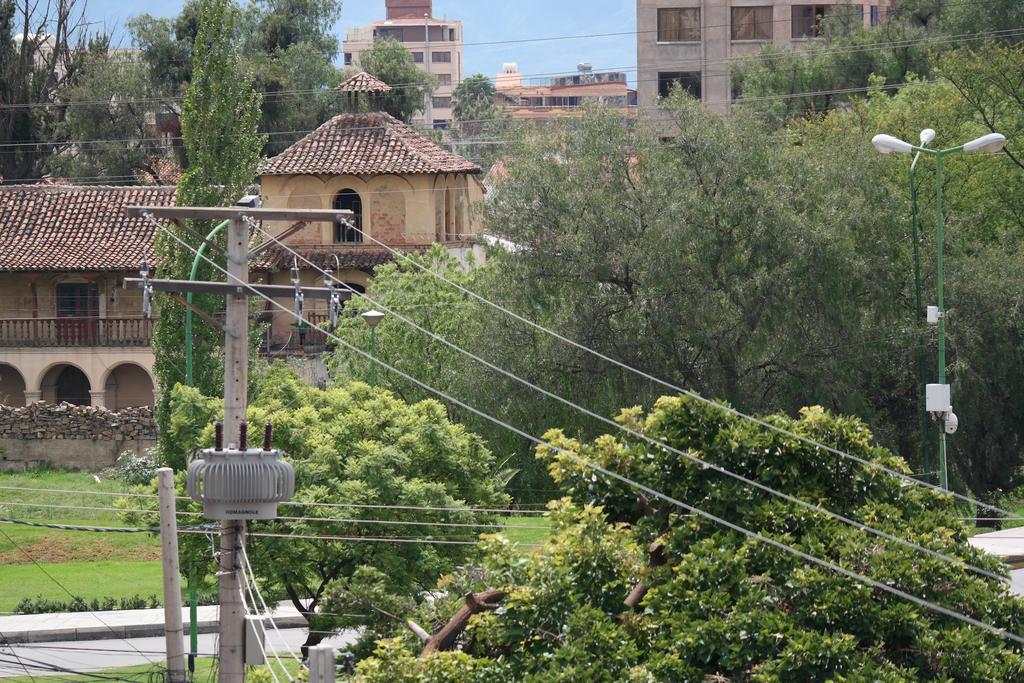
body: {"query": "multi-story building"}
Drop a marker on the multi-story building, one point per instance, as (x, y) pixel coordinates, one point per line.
(435, 44)
(563, 95)
(69, 330)
(691, 42)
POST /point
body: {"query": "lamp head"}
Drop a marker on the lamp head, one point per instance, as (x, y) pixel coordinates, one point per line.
(373, 318)
(887, 144)
(990, 144)
(927, 135)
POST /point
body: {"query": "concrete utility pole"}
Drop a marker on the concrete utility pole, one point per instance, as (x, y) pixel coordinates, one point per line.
(173, 631)
(236, 384)
(236, 364)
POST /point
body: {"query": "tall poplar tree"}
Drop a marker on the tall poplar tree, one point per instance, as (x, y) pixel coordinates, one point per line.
(220, 120)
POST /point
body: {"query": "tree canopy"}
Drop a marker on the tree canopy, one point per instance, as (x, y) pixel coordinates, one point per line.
(222, 148)
(707, 602)
(370, 450)
(389, 61)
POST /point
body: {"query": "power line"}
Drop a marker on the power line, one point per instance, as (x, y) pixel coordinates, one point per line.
(1003, 633)
(276, 94)
(250, 578)
(357, 506)
(64, 588)
(687, 392)
(639, 435)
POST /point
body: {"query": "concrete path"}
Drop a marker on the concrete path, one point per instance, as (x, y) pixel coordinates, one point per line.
(140, 623)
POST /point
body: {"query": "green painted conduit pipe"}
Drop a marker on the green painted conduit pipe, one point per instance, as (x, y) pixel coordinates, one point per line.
(188, 298)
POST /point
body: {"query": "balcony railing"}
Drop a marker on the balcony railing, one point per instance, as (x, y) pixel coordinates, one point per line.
(304, 340)
(70, 332)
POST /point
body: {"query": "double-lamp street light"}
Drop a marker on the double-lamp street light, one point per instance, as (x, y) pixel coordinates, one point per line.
(938, 399)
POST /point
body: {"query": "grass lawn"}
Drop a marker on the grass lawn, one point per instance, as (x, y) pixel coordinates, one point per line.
(205, 671)
(94, 565)
(87, 580)
(529, 530)
(16, 501)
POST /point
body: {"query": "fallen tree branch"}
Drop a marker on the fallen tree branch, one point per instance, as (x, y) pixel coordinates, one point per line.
(445, 639)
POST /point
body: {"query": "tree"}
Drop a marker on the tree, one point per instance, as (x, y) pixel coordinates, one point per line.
(354, 445)
(167, 46)
(104, 133)
(474, 102)
(389, 61)
(36, 58)
(707, 603)
(219, 121)
(280, 24)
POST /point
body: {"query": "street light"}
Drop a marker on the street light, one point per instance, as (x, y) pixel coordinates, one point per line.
(887, 144)
(372, 320)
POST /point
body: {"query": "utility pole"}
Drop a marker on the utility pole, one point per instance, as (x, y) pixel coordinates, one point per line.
(236, 385)
(236, 365)
(174, 634)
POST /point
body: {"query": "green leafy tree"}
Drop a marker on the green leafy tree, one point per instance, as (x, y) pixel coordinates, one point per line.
(281, 24)
(108, 100)
(354, 445)
(389, 61)
(219, 121)
(167, 45)
(718, 605)
(37, 47)
(473, 102)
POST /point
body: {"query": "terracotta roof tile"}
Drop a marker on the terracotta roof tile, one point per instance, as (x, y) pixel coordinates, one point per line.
(68, 228)
(366, 144)
(364, 82)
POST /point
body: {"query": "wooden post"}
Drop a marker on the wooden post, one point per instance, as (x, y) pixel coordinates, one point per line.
(173, 631)
(236, 373)
(321, 664)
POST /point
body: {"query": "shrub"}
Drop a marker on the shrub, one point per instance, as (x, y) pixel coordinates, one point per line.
(135, 470)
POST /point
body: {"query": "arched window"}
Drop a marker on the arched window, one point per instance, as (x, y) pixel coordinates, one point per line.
(348, 200)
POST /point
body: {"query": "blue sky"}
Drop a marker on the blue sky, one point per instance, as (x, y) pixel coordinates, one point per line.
(485, 21)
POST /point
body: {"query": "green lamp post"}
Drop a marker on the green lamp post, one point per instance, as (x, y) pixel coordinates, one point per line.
(372, 320)
(937, 397)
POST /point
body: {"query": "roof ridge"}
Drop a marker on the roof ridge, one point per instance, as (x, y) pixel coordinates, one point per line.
(68, 188)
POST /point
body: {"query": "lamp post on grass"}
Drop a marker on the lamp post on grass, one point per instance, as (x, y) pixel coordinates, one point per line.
(372, 320)
(937, 396)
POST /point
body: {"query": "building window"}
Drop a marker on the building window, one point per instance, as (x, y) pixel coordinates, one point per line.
(444, 79)
(687, 80)
(874, 15)
(440, 124)
(442, 102)
(348, 59)
(348, 200)
(679, 25)
(451, 35)
(417, 57)
(395, 33)
(441, 57)
(752, 23)
(807, 20)
(78, 300)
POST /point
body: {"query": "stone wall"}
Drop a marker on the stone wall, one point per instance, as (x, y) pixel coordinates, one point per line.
(81, 437)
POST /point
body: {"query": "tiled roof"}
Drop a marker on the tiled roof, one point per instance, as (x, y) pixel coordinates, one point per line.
(365, 144)
(69, 228)
(364, 82)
